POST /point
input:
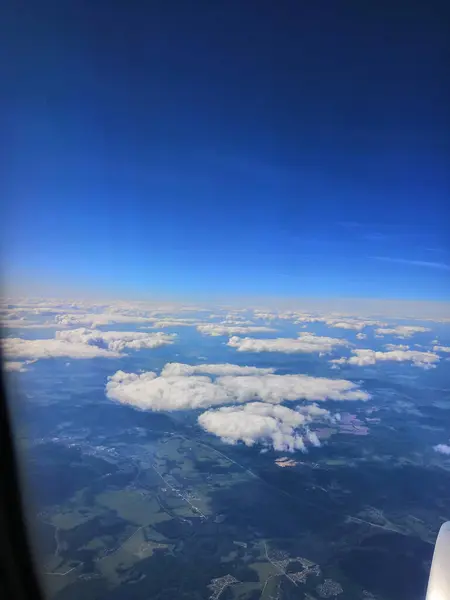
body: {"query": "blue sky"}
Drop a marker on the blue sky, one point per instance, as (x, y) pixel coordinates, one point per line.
(239, 148)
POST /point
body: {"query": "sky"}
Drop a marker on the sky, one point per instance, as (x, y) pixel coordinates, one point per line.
(233, 148)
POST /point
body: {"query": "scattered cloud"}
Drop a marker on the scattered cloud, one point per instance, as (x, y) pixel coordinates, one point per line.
(393, 347)
(441, 348)
(53, 348)
(361, 336)
(176, 369)
(161, 323)
(98, 319)
(226, 330)
(401, 331)
(116, 340)
(339, 323)
(306, 342)
(442, 448)
(362, 358)
(414, 263)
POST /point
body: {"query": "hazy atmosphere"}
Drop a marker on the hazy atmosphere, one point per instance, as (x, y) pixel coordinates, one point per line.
(226, 296)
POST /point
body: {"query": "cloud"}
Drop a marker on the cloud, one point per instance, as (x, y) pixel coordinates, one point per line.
(306, 342)
(442, 448)
(116, 341)
(402, 331)
(180, 322)
(53, 348)
(364, 358)
(171, 369)
(312, 437)
(393, 347)
(239, 322)
(414, 263)
(218, 329)
(98, 319)
(441, 348)
(270, 425)
(85, 343)
(361, 336)
(177, 389)
(339, 323)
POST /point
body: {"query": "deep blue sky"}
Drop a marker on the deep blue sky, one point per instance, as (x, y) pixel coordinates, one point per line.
(266, 148)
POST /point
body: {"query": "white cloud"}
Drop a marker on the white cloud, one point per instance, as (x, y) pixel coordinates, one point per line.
(442, 448)
(356, 325)
(150, 392)
(239, 322)
(274, 426)
(218, 329)
(312, 437)
(308, 319)
(177, 389)
(265, 316)
(339, 323)
(392, 347)
(276, 388)
(441, 348)
(361, 336)
(176, 369)
(314, 411)
(173, 322)
(53, 348)
(402, 331)
(306, 342)
(85, 343)
(363, 357)
(97, 319)
(116, 340)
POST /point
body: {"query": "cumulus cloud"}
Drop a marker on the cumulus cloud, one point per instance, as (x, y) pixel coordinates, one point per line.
(178, 389)
(312, 437)
(150, 392)
(401, 331)
(85, 343)
(171, 369)
(441, 348)
(220, 329)
(442, 448)
(339, 323)
(306, 342)
(257, 422)
(363, 357)
(173, 323)
(53, 348)
(361, 336)
(116, 341)
(98, 319)
(392, 347)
